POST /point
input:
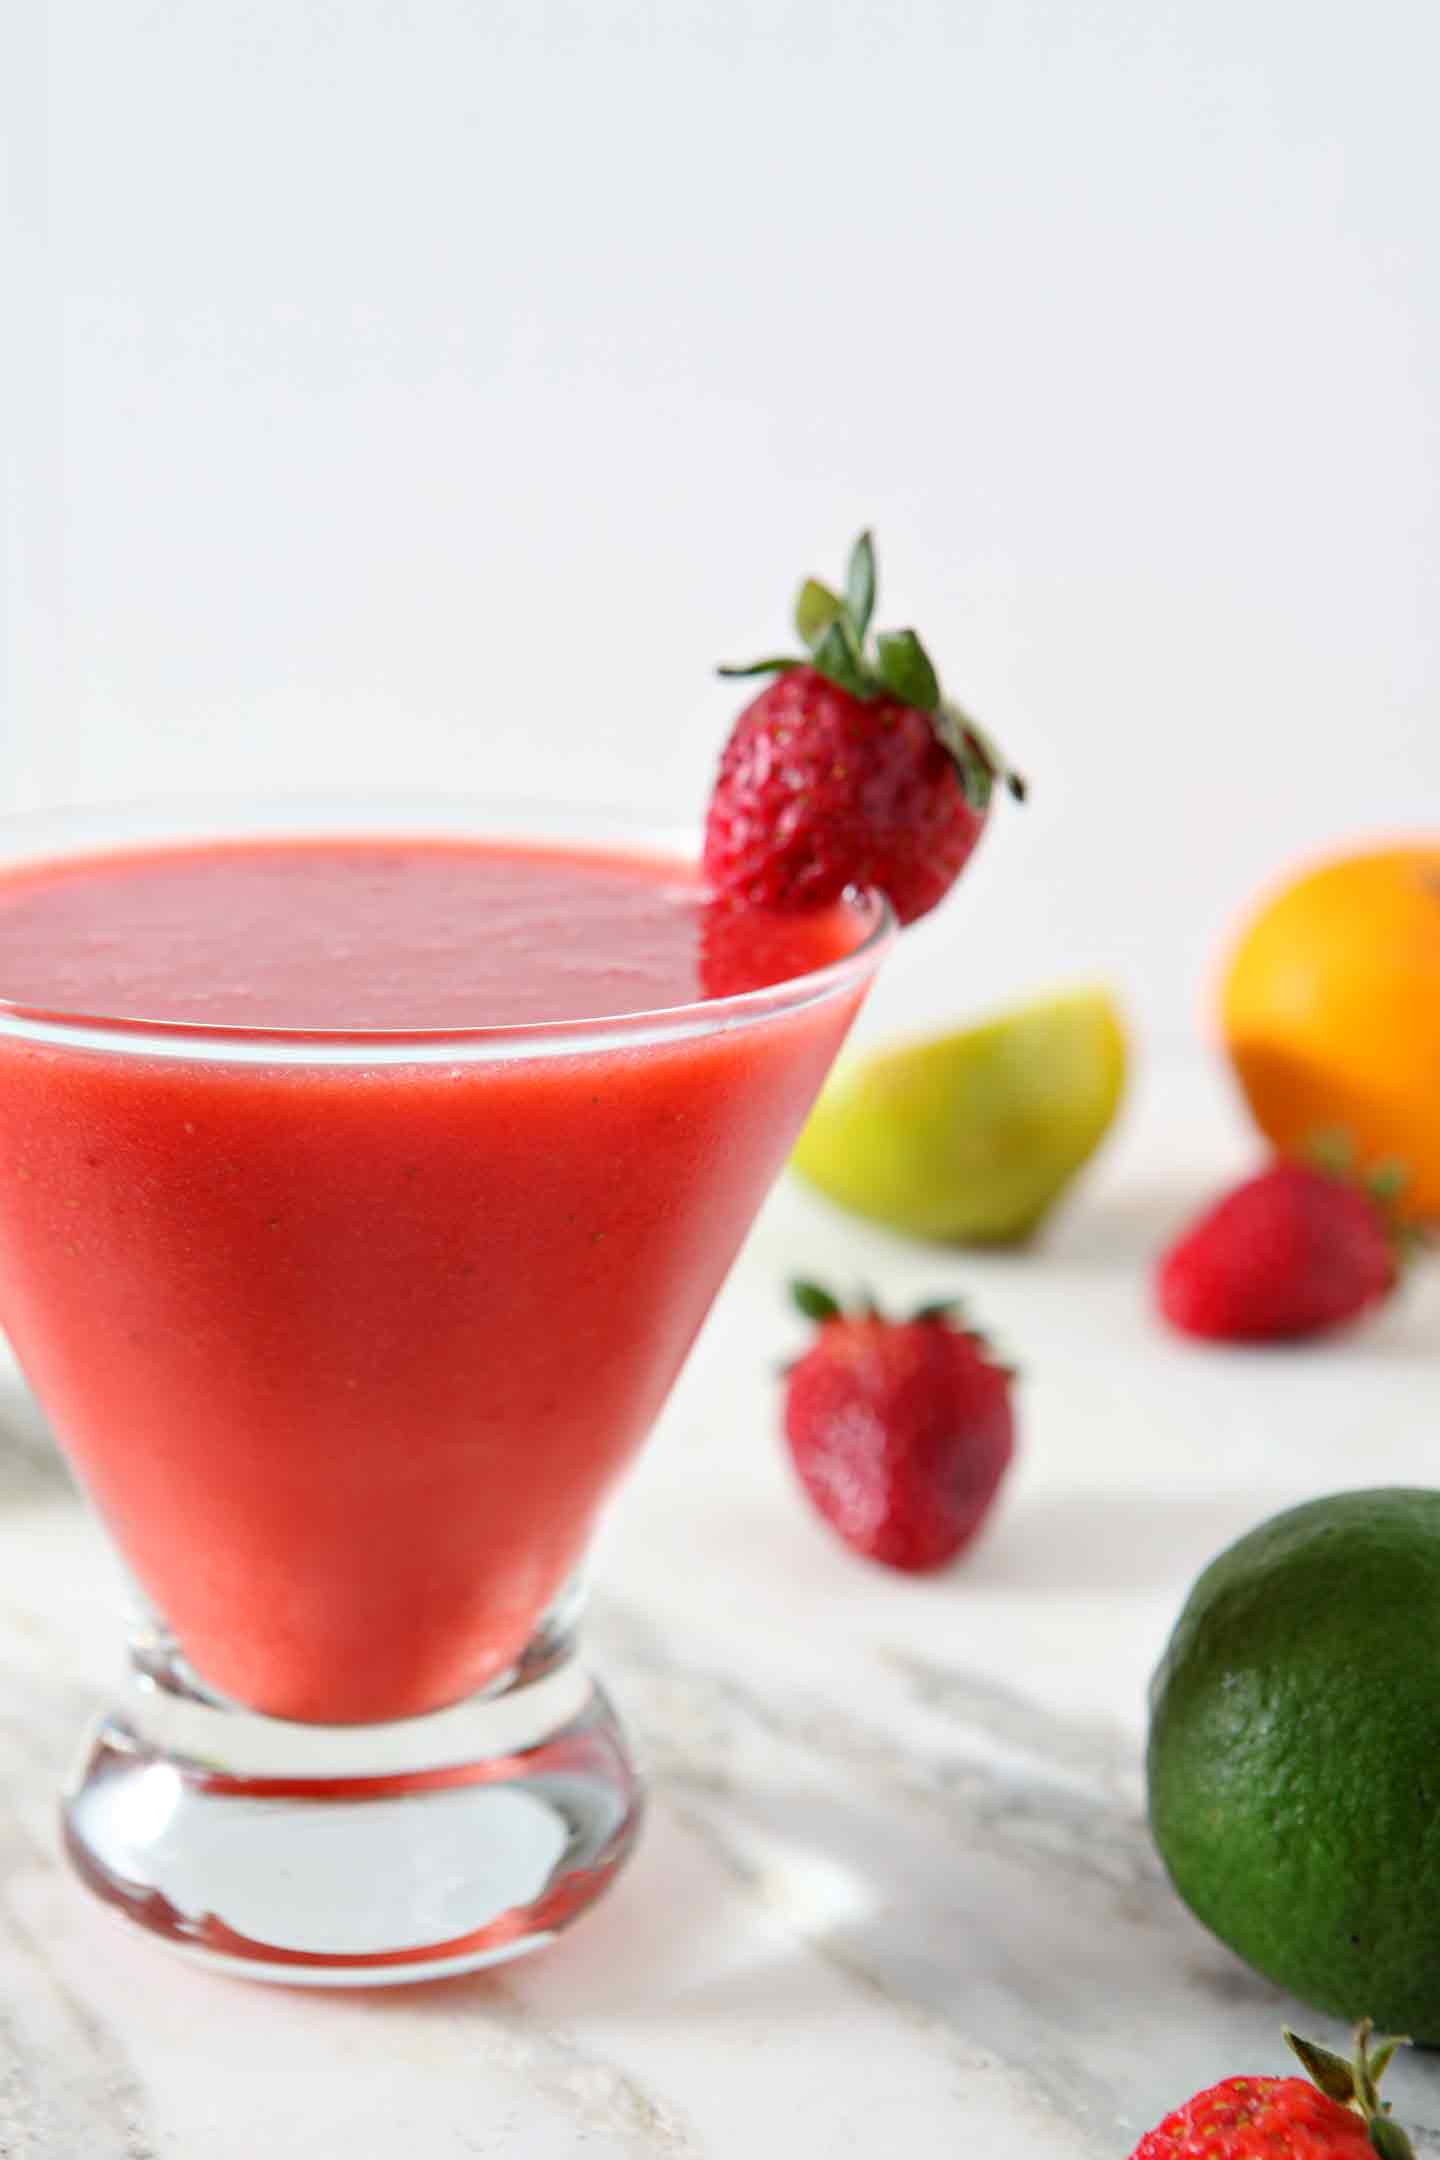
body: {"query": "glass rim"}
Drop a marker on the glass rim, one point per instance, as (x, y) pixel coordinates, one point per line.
(94, 830)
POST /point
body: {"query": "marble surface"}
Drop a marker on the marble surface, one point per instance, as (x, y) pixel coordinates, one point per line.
(895, 1894)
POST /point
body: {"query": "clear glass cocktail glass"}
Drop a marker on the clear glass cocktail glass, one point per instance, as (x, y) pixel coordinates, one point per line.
(357, 1744)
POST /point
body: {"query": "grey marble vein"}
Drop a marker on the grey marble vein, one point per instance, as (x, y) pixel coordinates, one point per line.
(602, 2098)
(493, 2020)
(1089, 1748)
(1025, 1914)
(68, 2087)
(692, 1719)
(958, 1860)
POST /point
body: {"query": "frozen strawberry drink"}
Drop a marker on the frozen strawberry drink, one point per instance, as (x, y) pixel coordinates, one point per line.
(362, 1195)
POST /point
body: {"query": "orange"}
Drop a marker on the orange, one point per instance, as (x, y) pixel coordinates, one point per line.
(1331, 1012)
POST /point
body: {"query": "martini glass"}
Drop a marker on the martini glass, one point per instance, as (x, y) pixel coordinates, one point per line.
(348, 1336)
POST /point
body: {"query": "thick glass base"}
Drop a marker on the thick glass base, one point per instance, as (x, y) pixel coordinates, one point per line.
(354, 1855)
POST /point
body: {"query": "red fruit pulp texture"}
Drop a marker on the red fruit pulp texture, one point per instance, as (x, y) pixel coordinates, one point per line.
(818, 790)
(901, 1435)
(349, 1355)
(1258, 2118)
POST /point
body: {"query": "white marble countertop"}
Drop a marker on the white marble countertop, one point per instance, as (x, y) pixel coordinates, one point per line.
(895, 1894)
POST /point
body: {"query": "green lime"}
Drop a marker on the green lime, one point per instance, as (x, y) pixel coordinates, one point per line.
(971, 1135)
(1294, 1759)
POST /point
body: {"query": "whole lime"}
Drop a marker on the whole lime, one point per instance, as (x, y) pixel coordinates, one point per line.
(1294, 1757)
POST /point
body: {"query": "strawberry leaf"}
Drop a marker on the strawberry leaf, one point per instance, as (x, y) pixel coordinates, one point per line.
(903, 667)
(836, 659)
(989, 756)
(943, 1311)
(1334, 2076)
(816, 607)
(1386, 1182)
(762, 667)
(973, 768)
(816, 1303)
(1383, 2054)
(1332, 1151)
(1388, 2139)
(860, 586)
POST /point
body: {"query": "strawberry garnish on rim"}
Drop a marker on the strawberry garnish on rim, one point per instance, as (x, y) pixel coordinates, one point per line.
(852, 768)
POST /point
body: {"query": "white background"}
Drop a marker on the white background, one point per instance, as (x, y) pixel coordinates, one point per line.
(428, 393)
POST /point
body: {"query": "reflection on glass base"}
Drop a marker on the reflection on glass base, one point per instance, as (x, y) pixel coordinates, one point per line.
(354, 1855)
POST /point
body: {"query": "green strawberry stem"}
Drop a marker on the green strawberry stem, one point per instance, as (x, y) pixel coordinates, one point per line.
(1356, 2084)
(1332, 1152)
(821, 1305)
(834, 628)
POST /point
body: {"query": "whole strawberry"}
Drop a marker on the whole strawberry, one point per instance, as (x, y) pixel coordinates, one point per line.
(901, 1430)
(1338, 2117)
(850, 769)
(1292, 1252)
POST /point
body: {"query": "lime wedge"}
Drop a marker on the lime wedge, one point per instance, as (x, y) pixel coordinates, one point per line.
(971, 1136)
